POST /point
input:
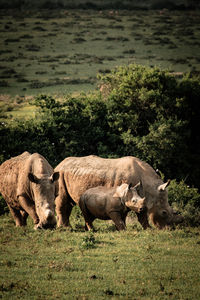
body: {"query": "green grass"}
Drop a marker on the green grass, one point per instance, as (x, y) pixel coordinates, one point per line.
(65, 264)
(60, 52)
(24, 112)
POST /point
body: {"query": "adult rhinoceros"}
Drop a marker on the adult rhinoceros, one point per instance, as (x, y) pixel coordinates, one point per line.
(27, 183)
(78, 174)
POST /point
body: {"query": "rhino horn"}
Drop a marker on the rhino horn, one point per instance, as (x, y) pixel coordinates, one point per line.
(137, 185)
(163, 186)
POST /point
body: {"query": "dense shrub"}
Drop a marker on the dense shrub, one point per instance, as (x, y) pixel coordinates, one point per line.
(155, 116)
(140, 111)
(3, 207)
(145, 112)
(77, 126)
(186, 200)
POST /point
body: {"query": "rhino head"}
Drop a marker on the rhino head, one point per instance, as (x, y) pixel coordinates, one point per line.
(161, 213)
(44, 192)
(130, 197)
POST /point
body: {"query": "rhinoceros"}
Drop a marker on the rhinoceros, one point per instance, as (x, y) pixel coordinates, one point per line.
(110, 204)
(77, 174)
(27, 183)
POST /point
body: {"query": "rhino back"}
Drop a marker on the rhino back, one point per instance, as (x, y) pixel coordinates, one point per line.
(14, 175)
(99, 202)
(82, 173)
(10, 173)
(38, 165)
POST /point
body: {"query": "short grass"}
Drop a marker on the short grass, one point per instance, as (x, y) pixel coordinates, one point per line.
(61, 51)
(25, 112)
(73, 264)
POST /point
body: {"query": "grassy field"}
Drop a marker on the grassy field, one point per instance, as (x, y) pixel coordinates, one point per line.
(62, 51)
(73, 264)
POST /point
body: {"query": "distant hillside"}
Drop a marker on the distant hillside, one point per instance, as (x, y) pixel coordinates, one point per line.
(99, 4)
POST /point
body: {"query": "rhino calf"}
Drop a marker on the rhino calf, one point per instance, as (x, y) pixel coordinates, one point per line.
(110, 204)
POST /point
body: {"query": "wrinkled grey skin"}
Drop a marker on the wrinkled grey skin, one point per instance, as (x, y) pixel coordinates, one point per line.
(27, 183)
(78, 174)
(110, 204)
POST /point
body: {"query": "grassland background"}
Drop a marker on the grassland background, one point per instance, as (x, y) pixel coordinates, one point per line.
(62, 51)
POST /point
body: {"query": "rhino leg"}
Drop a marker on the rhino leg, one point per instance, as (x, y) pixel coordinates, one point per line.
(24, 215)
(16, 216)
(63, 211)
(89, 218)
(88, 224)
(29, 209)
(117, 219)
(124, 218)
(143, 219)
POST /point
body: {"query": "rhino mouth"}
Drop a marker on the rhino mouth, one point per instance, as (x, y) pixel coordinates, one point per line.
(167, 221)
(48, 226)
(45, 226)
(50, 223)
(47, 219)
(142, 209)
(177, 218)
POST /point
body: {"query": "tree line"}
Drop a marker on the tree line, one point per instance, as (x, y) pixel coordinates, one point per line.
(99, 4)
(139, 111)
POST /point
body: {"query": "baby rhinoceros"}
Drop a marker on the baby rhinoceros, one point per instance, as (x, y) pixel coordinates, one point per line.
(110, 204)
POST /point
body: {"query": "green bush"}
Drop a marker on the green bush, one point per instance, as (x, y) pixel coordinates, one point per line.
(77, 126)
(145, 112)
(155, 116)
(186, 200)
(3, 206)
(140, 111)
(88, 241)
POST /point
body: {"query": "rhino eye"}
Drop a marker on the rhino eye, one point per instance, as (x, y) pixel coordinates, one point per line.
(164, 213)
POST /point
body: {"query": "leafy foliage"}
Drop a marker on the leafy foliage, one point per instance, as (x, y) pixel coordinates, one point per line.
(88, 241)
(3, 207)
(140, 111)
(186, 200)
(155, 116)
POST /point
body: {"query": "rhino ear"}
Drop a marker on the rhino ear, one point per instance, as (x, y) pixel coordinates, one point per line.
(163, 186)
(139, 188)
(138, 185)
(121, 191)
(33, 178)
(130, 186)
(55, 176)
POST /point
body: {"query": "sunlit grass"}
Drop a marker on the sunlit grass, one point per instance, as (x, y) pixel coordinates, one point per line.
(25, 112)
(135, 264)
